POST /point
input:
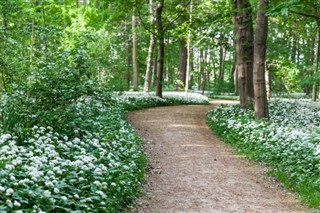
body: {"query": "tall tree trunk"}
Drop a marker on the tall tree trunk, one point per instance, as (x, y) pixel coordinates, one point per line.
(32, 41)
(221, 63)
(310, 43)
(206, 61)
(260, 46)
(267, 77)
(128, 55)
(189, 42)
(182, 70)
(201, 69)
(242, 13)
(150, 50)
(160, 60)
(316, 61)
(135, 52)
(155, 68)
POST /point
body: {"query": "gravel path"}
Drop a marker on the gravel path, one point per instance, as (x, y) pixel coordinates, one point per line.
(191, 171)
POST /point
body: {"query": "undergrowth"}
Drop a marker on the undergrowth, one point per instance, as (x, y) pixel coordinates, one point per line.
(79, 156)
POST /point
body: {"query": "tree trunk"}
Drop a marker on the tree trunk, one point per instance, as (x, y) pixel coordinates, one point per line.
(201, 68)
(242, 13)
(160, 60)
(189, 41)
(221, 59)
(206, 61)
(235, 80)
(155, 67)
(150, 50)
(128, 60)
(267, 77)
(32, 41)
(316, 61)
(260, 41)
(182, 70)
(135, 52)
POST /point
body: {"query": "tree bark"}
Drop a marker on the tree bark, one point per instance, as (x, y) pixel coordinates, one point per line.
(182, 70)
(221, 63)
(128, 60)
(160, 60)
(242, 13)
(155, 67)
(316, 61)
(267, 77)
(189, 41)
(260, 42)
(150, 50)
(135, 52)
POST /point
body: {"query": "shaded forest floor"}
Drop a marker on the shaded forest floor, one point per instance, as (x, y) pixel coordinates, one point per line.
(191, 170)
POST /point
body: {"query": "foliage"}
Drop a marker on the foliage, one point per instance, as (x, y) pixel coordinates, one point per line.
(290, 144)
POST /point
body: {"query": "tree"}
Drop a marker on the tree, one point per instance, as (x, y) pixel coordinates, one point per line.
(151, 48)
(182, 70)
(242, 13)
(259, 65)
(135, 51)
(160, 60)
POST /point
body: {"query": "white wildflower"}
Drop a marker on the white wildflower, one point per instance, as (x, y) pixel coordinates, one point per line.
(49, 184)
(9, 167)
(16, 203)
(56, 190)
(64, 198)
(97, 183)
(317, 150)
(4, 138)
(9, 191)
(47, 193)
(9, 203)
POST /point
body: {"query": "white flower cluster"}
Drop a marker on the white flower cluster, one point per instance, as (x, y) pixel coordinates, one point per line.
(298, 113)
(53, 170)
(183, 97)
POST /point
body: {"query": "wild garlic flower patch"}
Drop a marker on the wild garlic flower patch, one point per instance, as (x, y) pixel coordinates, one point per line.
(91, 161)
(186, 97)
(168, 97)
(297, 113)
(292, 147)
(99, 169)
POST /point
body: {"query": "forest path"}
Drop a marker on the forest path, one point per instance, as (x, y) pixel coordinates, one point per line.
(192, 171)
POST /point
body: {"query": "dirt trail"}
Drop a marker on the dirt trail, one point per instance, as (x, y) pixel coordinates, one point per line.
(191, 171)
